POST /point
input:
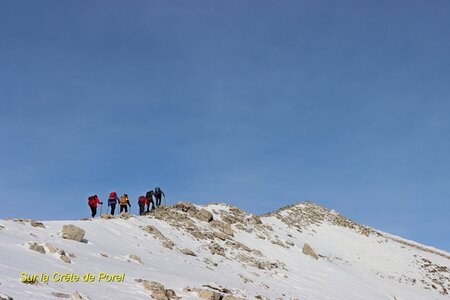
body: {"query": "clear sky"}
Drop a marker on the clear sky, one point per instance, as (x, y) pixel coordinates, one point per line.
(259, 104)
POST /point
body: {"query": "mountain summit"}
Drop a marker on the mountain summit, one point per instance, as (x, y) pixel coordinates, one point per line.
(216, 251)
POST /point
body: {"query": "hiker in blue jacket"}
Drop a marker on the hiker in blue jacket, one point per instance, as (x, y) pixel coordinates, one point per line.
(112, 201)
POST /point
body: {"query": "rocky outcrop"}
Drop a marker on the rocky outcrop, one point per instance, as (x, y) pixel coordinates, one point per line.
(216, 249)
(157, 290)
(210, 295)
(125, 215)
(222, 226)
(204, 215)
(136, 258)
(307, 250)
(107, 216)
(187, 251)
(72, 232)
(35, 247)
(36, 224)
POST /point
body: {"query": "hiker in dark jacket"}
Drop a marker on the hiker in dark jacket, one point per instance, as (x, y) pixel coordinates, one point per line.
(158, 193)
(112, 201)
(93, 201)
(142, 201)
(149, 197)
(123, 201)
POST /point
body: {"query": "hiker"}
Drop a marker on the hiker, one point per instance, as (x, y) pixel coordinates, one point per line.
(142, 201)
(123, 201)
(149, 197)
(112, 201)
(158, 193)
(92, 202)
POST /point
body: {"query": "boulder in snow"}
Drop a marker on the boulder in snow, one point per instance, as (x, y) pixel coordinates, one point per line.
(187, 251)
(36, 224)
(307, 250)
(36, 247)
(216, 249)
(210, 295)
(72, 232)
(136, 258)
(204, 215)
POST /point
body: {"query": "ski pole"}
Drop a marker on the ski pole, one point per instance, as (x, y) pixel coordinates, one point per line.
(101, 209)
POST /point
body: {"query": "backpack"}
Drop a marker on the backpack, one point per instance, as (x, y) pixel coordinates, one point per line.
(149, 195)
(113, 195)
(142, 199)
(123, 200)
(92, 200)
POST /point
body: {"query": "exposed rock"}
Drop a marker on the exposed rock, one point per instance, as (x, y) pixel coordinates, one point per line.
(220, 235)
(136, 258)
(171, 294)
(307, 250)
(254, 219)
(61, 295)
(266, 265)
(103, 254)
(5, 297)
(65, 259)
(157, 290)
(168, 244)
(36, 224)
(36, 247)
(204, 215)
(186, 207)
(107, 216)
(222, 226)
(279, 243)
(216, 249)
(50, 248)
(187, 251)
(72, 232)
(125, 215)
(240, 226)
(198, 234)
(210, 295)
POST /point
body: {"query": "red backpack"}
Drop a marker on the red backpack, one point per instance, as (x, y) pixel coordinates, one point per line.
(142, 199)
(92, 200)
(113, 195)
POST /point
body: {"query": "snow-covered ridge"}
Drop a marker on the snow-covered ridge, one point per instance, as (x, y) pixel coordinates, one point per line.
(217, 251)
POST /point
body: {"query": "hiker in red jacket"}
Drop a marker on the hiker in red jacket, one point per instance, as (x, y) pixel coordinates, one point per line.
(93, 201)
(142, 201)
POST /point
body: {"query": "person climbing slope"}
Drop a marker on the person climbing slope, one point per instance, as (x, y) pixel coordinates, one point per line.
(123, 201)
(149, 197)
(93, 201)
(158, 193)
(112, 201)
(142, 201)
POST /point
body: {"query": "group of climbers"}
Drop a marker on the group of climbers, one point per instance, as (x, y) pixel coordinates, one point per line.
(143, 202)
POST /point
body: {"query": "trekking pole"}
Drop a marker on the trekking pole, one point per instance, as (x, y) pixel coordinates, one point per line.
(101, 208)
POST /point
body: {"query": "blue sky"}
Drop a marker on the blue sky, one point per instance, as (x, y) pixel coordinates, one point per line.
(259, 104)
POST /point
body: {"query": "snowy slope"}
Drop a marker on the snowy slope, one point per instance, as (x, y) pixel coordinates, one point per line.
(237, 253)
